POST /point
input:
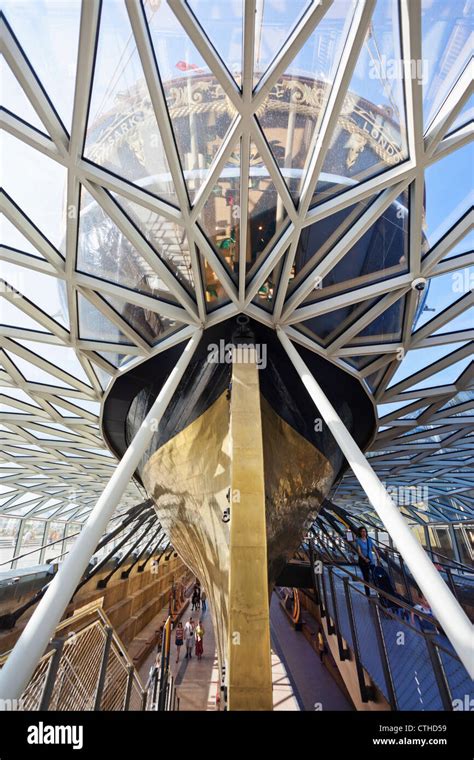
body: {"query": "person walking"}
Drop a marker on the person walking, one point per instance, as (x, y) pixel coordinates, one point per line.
(179, 638)
(199, 635)
(189, 637)
(368, 556)
(321, 645)
(203, 600)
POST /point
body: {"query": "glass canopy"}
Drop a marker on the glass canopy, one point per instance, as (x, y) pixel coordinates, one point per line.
(169, 162)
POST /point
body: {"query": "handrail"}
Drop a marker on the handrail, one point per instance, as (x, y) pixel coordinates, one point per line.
(396, 600)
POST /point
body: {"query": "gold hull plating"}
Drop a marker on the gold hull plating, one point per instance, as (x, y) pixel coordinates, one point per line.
(190, 478)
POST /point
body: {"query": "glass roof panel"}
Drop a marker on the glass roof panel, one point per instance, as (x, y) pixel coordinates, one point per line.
(446, 48)
(123, 135)
(103, 251)
(220, 215)
(52, 26)
(291, 114)
(420, 359)
(93, 325)
(12, 237)
(42, 198)
(222, 23)
(152, 326)
(465, 116)
(199, 109)
(444, 291)
(266, 212)
(168, 239)
(444, 209)
(15, 100)
(275, 20)
(44, 291)
(382, 252)
(371, 131)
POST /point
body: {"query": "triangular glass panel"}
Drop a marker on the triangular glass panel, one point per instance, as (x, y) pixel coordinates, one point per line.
(15, 100)
(214, 292)
(275, 21)
(443, 209)
(266, 212)
(151, 325)
(52, 27)
(104, 252)
(420, 359)
(93, 325)
(265, 297)
(168, 238)
(61, 356)
(291, 114)
(12, 316)
(44, 291)
(316, 240)
(330, 325)
(370, 135)
(117, 360)
(102, 375)
(199, 108)
(34, 374)
(123, 135)
(443, 292)
(465, 116)
(465, 245)
(361, 361)
(223, 25)
(13, 238)
(45, 206)
(220, 216)
(464, 321)
(446, 49)
(385, 328)
(381, 253)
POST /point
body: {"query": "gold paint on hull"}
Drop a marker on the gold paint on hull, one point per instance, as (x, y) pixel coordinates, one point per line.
(189, 478)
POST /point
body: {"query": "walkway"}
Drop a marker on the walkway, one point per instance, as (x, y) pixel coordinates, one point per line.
(313, 685)
(299, 679)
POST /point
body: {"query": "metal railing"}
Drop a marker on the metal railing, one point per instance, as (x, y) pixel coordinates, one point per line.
(87, 668)
(161, 692)
(403, 650)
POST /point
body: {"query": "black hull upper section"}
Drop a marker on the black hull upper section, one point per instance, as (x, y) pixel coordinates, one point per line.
(132, 395)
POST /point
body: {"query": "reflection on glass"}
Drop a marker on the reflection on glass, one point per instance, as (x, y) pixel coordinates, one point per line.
(370, 135)
(167, 238)
(220, 216)
(153, 327)
(275, 20)
(447, 44)
(381, 252)
(214, 292)
(291, 114)
(93, 325)
(123, 134)
(198, 106)
(103, 251)
(222, 23)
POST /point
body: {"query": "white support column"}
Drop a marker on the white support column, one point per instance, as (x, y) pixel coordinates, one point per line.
(446, 609)
(24, 657)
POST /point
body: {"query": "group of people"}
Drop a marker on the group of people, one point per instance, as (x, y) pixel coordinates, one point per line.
(198, 599)
(190, 634)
